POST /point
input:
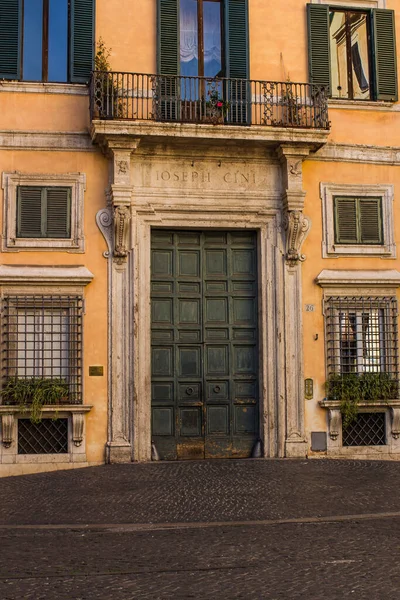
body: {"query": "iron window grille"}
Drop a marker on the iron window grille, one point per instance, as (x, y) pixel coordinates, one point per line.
(362, 336)
(42, 338)
(50, 436)
(367, 430)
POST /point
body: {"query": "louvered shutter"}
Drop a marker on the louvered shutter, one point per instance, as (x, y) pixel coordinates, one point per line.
(385, 54)
(318, 45)
(10, 39)
(168, 38)
(345, 221)
(168, 58)
(237, 59)
(58, 211)
(370, 219)
(82, 40)
(29, 212)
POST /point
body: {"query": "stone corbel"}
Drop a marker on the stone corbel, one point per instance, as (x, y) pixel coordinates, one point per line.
(297, 227)
(78, 422)
(395, 414)
(7, 429)
(122, 217)
(291, 159)
(335, 423)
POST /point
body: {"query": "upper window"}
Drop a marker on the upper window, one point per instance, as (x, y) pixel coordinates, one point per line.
(352, 53)
(192, 40)
(43, 211)
(46, 40)
(200, 50)
(357, 220)
(350, 47)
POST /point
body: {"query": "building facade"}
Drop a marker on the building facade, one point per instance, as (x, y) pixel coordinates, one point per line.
(199, 231)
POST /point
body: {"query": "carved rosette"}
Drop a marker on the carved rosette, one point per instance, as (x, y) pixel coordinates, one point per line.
(297, 227)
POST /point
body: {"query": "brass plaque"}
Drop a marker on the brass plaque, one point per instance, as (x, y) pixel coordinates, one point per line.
(309, 389)
(96, 370)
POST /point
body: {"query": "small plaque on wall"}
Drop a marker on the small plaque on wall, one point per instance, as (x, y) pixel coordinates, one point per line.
(96, 370)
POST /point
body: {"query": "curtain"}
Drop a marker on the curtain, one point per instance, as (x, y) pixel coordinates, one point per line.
(189, 47)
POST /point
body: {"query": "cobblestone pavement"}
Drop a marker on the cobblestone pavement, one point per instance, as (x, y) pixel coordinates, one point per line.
(205, 530)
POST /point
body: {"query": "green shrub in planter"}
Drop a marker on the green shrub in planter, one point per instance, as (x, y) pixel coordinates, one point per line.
(352, 388)
(34, 393)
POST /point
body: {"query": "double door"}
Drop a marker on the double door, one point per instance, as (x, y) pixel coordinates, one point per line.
(204, 343)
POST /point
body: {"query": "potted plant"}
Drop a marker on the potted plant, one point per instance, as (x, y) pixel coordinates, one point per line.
(108, 102)
(351, 389)
(34, 393)
(216, 108)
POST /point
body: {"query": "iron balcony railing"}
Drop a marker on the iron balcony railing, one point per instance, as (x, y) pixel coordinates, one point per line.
(222, 101)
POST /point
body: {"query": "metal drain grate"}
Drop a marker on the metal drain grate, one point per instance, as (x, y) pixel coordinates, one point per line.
(367, 430)
(47, 437)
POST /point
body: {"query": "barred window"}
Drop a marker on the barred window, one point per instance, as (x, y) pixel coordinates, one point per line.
(361, 335)
(362, 342)
(42, 338)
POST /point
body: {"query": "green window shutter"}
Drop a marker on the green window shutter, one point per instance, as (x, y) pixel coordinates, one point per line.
(58, 212)
(385, 54)
(345, 220)
(82, 40)
(29, 212)
(236, 39)
(318, 45)
(370, 219)
(10, 39)
(168, 37)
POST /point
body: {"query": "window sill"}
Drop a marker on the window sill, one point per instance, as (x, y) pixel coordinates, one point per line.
(363, 105)
(335, 404)
(343, 250)
(28, 87)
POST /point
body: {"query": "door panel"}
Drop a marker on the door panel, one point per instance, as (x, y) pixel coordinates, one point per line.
(204, 344)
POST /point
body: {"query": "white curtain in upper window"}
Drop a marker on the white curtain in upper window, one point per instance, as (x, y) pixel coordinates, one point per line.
(189, 47)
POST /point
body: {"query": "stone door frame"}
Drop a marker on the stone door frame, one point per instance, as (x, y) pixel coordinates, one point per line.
(278, 218)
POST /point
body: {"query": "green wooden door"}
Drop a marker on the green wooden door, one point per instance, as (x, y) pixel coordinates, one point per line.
(204, 343)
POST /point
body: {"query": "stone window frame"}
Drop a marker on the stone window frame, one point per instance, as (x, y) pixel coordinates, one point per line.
(35, 280)
(331, 250)
(10, 183)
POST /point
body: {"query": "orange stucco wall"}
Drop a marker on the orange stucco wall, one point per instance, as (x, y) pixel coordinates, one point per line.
(278, 50)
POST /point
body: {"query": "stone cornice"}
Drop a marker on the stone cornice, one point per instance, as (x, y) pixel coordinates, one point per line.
(37, 275)
(358, 278)
(314, 138)
(47, 140)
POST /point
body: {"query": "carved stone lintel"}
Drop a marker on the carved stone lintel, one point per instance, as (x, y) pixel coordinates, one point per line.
(122, 215)
(395, 414)
(7, 428)
(77, 428)
(297, 227)
(335, 422)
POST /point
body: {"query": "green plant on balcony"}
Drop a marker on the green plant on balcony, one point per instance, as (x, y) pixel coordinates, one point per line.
(108, 99)
(216, 107)
(352, 388)
(292, 110)
(34, 393)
